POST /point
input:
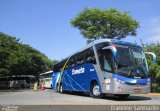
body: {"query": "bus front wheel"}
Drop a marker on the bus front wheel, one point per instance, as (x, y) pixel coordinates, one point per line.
(95, 91)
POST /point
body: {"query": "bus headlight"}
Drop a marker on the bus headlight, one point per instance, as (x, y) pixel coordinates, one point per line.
(148, 83)
(107, 81)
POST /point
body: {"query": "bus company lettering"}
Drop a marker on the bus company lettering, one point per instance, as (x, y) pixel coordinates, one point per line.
(78, 71)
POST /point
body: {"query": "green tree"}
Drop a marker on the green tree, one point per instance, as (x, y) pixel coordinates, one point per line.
(113, 24)
(154, 68)
(20, 59)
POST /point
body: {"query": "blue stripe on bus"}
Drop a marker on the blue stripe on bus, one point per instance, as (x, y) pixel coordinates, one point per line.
(131, 80)
(79, 81)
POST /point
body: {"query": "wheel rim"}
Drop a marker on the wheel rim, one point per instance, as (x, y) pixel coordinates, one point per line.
(61, 88)
(96, 91)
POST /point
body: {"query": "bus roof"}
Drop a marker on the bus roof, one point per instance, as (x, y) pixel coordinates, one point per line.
(125, 43)
(101, 41)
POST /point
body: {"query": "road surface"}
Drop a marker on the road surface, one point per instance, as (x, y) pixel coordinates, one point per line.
(29, 100)
(50, 97)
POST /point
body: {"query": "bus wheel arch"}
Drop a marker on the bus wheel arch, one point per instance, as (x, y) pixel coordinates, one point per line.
(95, 90)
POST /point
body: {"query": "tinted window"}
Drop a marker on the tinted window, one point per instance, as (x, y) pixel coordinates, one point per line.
(71, 62)
(80, 59)
(56, 68)
(105, 59)
(104, 56)
(89, 56)
(86, 56)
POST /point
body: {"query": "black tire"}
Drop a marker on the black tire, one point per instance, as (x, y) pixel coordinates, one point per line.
(94, 91)
(22, 86)
(61, 89)
(57, 88)
(51, 86)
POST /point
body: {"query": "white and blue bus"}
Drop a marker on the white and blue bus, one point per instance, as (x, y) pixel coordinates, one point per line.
(47, 78)
(104, 67)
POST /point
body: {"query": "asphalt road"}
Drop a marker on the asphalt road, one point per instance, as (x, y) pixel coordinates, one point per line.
(48, 99)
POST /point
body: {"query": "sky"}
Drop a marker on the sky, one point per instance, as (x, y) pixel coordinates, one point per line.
(45, 24)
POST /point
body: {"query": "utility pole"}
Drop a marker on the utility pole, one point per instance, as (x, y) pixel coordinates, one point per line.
(142, 43)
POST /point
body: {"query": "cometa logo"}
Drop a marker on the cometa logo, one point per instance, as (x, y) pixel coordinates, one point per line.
(78, 71)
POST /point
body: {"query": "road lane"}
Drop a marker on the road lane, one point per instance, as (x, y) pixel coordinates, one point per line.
(50, 97)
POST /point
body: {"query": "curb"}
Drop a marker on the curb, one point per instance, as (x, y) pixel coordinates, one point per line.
(149, 94)
(153, 94)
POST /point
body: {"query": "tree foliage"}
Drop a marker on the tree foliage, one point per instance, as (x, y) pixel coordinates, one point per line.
(154, 68)
(113, 24)
(20, 59)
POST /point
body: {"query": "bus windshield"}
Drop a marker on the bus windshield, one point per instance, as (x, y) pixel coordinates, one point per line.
(140, 60)
(131, 61)
(123, 57)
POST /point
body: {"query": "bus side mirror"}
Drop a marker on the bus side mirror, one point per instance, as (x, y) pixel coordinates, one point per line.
(154, 56)
(113, 49)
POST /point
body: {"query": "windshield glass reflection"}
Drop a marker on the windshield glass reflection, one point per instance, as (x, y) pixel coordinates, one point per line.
(130, 61)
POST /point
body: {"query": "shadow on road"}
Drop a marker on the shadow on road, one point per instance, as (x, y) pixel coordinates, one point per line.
(13, 90)
(112, 97)
(130, 98)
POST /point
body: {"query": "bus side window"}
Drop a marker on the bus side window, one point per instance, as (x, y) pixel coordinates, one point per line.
(56, 68)
(90, 57)
(68, 64)
(105, 60)
(62, 65)
(72, 62)
(80, 58)
(78, 61)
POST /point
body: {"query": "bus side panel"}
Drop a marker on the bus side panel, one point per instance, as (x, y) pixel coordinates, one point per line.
(79, 78)
(55, 78)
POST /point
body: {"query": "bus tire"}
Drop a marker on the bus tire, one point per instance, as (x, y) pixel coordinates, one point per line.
(23, 86)
(51, 86)
(94, 91)
(57, 88)
(61, 89)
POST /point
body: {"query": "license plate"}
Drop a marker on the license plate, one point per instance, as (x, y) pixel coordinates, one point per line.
(137, 90)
